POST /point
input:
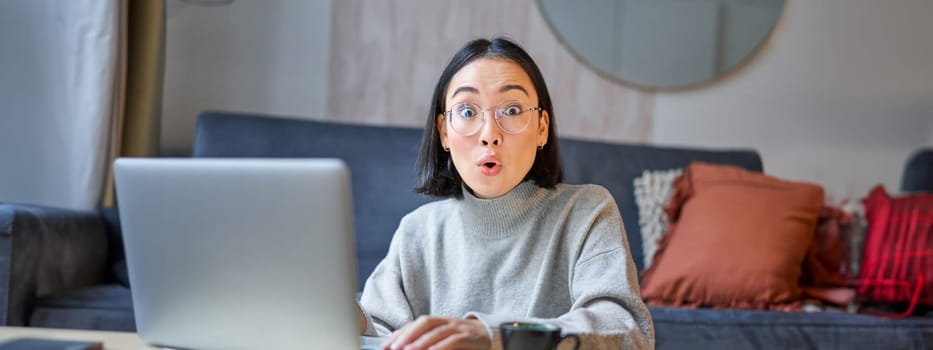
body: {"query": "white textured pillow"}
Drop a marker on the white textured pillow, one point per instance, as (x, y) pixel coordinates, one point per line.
(653, 190)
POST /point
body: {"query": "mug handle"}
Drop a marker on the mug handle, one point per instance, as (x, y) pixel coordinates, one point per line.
(576, 339)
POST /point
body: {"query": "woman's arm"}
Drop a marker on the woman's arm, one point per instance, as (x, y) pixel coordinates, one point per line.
(607, 312)
(384, 305)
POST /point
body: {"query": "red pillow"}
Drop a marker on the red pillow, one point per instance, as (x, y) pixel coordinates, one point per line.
(737, 239)
(897, 259)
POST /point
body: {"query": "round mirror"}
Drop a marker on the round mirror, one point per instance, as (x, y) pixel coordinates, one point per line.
(662, 44)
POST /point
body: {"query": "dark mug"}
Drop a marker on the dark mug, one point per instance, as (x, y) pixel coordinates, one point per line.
(533, 336)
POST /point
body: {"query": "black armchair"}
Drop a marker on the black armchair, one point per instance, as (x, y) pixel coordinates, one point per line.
(45, 253)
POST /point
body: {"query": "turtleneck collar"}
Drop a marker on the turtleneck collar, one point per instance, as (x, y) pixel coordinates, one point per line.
(499, 217)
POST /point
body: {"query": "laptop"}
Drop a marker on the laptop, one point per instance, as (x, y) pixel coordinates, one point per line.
(240, 253)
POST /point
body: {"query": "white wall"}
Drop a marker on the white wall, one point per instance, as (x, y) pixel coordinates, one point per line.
(269, 56)
(841, 96)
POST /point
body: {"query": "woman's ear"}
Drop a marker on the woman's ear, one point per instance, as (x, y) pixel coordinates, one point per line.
(543, 124)
(442, 130)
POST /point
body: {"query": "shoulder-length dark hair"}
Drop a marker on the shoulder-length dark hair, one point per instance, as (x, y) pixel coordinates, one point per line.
(437, 174)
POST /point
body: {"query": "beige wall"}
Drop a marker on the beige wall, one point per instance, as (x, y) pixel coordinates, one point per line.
(373, 64)
(386, 57)
(262, 56)
(841, 97)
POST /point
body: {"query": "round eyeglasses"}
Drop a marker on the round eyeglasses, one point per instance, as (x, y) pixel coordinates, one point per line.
(512, 117)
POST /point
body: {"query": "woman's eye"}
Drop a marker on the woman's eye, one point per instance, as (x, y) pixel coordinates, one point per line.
(466, 112)
(511, 111)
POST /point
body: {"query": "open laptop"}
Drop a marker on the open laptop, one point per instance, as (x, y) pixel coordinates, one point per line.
(240, 253)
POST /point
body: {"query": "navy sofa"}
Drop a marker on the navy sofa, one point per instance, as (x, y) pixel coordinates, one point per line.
(88, 289)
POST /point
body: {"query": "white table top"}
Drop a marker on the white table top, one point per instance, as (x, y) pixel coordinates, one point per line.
(111, 340)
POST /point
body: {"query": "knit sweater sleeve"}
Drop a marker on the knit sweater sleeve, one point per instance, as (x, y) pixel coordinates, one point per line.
(607, 309)
(384, 302)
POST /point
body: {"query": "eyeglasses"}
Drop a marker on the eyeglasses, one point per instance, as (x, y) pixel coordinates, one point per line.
(511, 116)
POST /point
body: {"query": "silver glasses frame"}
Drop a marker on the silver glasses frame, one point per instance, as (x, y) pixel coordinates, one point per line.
(449, 116)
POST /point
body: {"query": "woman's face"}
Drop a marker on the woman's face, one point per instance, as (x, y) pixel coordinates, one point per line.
(492, 161)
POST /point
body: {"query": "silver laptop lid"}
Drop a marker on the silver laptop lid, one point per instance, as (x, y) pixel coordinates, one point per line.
(240, 253)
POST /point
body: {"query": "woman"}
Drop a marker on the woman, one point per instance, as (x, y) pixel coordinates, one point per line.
(510, 242)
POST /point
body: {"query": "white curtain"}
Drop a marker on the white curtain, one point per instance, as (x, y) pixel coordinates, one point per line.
(61, 64)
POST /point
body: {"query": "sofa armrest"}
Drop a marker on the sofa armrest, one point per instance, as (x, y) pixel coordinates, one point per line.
(45, 251)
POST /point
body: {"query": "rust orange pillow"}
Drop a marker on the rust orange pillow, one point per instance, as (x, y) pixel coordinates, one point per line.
(737, 239)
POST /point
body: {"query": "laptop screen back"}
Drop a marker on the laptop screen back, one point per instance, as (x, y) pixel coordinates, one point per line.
(240, 253)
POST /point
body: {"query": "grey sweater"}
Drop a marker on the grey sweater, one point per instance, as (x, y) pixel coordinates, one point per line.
(533, 255)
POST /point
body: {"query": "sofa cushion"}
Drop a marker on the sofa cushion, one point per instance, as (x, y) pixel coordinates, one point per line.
(677, 328)
(103, 307)
(653, 190)
(827, 261)
(897, 260)
(616, 165)
(737, 239)
(827, 277)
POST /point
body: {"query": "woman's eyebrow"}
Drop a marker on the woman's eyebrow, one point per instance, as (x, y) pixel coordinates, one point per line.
(466, 89)
(513, 87)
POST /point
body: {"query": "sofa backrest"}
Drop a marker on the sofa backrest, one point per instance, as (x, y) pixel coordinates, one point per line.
(381, 161)
(382, 166)
(918, 172)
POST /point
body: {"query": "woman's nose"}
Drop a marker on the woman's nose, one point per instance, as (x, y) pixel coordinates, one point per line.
(490, 133)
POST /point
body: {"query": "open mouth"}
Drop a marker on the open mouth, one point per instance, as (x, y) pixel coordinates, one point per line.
(489, 165)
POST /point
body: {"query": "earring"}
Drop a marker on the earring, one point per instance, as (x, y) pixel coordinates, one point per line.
(540, 147)
(446, 149)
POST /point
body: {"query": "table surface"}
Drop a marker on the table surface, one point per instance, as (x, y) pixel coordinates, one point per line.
(111, 340)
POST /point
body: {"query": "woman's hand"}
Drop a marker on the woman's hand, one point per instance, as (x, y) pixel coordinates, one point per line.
(429, 332)
(362, 318)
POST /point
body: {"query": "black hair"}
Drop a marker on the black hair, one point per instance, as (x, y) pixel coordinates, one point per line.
(437, 175)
